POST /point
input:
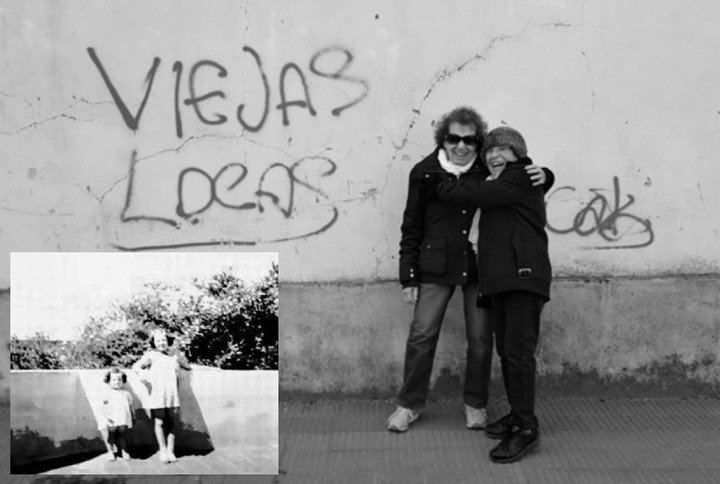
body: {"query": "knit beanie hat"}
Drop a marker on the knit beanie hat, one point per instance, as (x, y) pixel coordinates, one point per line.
(505, 136)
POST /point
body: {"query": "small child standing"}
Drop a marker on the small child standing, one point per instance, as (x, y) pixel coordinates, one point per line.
(161, 372)
(116, 417)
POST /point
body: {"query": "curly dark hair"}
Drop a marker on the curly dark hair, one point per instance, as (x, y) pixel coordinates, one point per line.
(464, 115)
(112, 371)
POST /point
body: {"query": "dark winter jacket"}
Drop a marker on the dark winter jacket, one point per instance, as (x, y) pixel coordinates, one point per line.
(512, 243)
(434, 246)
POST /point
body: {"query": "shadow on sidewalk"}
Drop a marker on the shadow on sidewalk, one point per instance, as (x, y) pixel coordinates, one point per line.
(33, 452)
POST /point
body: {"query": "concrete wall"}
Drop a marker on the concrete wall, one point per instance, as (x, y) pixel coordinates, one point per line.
(128, 126)
(55, 413)
(596, 330)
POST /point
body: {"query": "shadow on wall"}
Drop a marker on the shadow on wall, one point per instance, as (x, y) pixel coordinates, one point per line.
(26, 442)
(191, 433)
(54, 419)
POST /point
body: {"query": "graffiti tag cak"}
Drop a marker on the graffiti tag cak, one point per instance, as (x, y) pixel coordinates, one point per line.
(609, 219)
(271, 203)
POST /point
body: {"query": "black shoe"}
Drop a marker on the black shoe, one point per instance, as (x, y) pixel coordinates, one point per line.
(499, 428)
(515, 444)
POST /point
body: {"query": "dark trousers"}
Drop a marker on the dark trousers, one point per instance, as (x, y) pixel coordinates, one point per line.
(423, 338)
(515, 317)
(116, 435)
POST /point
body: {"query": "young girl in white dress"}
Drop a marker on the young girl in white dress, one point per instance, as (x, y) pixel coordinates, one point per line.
(115, 414)
(160, 369)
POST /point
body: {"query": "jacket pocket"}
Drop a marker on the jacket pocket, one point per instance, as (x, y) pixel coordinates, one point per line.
(433, 258)
(530, 256)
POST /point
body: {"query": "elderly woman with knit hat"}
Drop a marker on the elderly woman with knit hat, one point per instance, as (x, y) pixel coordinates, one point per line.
(514, 271)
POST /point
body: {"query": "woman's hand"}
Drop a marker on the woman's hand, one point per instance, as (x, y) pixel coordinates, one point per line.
(410, 294)
(536, 174)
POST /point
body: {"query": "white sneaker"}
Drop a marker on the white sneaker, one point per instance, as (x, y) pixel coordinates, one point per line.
(402, 418)
(475, 418)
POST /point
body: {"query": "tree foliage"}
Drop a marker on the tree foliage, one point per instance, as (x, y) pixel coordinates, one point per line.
(36, 352)
(232, 325)
(221, 322)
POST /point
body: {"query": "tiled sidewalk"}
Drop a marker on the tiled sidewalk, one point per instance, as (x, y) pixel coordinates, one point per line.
(584, 440)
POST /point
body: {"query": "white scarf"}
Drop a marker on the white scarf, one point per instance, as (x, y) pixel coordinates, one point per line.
(451, 167)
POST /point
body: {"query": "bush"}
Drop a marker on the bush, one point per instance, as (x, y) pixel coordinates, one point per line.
(36, 352)
(222, 323)
(234, 326)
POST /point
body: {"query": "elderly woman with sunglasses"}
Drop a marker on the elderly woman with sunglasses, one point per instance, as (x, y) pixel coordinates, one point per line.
(436, 256)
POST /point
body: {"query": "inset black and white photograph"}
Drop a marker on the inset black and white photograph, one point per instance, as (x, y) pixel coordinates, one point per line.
(144, 363)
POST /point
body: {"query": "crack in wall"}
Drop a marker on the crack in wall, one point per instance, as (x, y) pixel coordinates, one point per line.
(366, 195)
(177, 149)
(47, 120)
(586, 121)
(86, 189)
(246, 9)
(38, 214)
(82, 100)
(215, 136)
(180, 147)
(29, 104)
(589, 70)
(448, 73)
(118, 181)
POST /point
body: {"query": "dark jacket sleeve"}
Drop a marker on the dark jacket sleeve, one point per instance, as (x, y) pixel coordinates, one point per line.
(412, 232)
(508, 189)
(549, 179)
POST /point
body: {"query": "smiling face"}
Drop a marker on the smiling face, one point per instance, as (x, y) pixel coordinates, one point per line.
(497, 159)
(116, 381)
(460, 151)
(160, 340)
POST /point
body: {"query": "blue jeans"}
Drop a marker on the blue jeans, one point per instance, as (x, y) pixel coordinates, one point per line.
(422, 343)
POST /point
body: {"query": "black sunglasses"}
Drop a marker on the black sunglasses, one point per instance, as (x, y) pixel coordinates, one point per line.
(454, 139)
